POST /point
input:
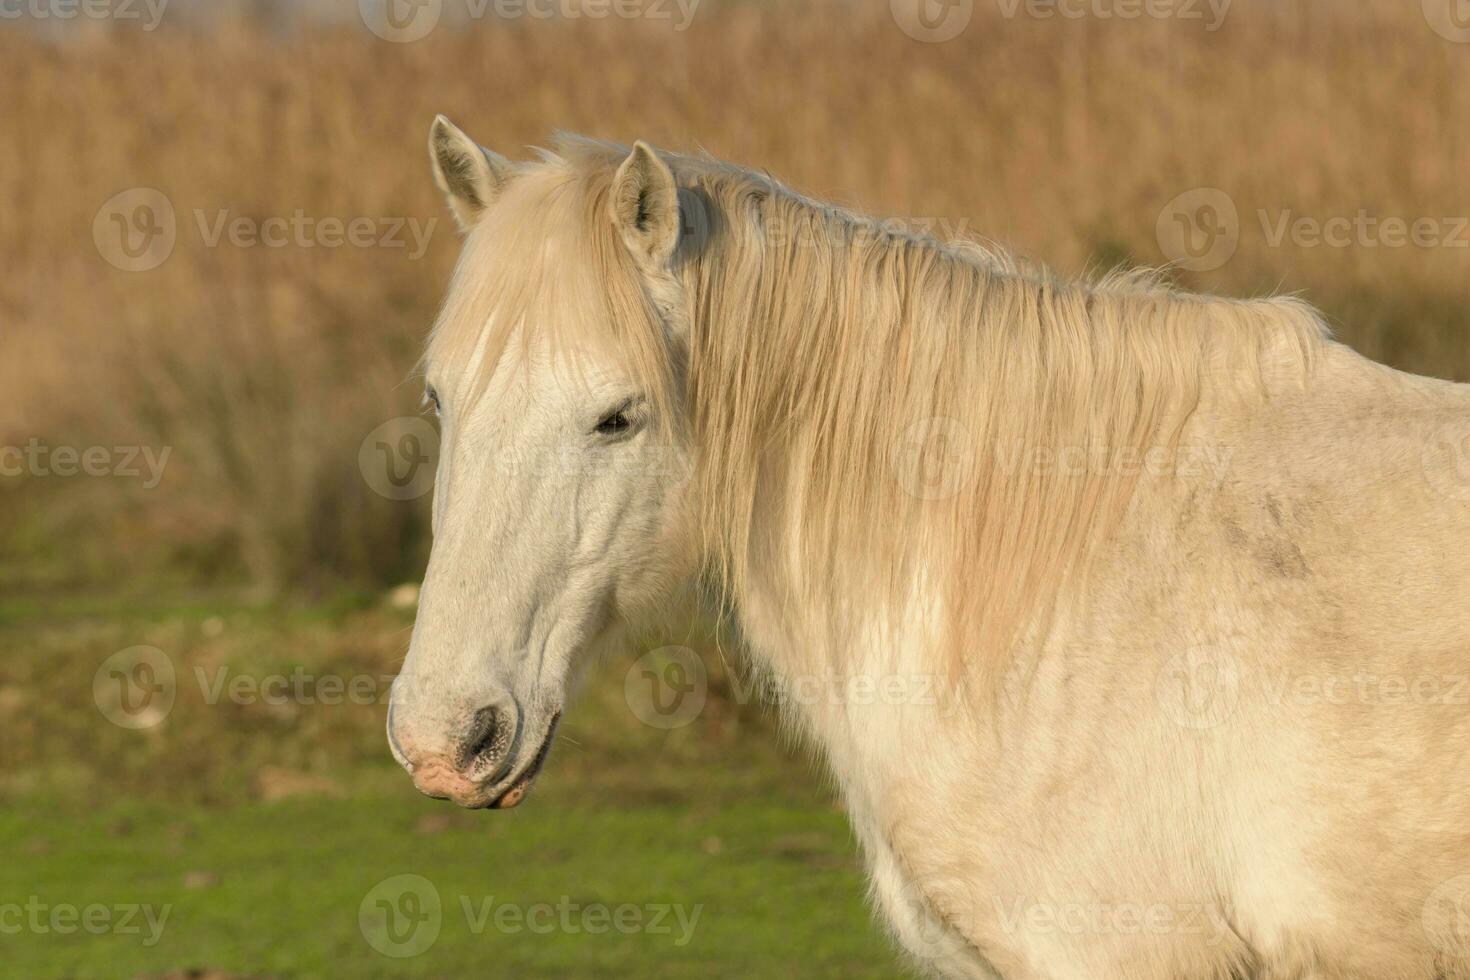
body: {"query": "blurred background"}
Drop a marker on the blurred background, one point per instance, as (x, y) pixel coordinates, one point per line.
(222, 249)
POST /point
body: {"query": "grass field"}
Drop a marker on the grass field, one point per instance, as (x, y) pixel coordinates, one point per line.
(248, 891)
(263, 829)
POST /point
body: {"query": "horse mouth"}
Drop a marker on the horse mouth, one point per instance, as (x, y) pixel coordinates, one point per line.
(520, 785)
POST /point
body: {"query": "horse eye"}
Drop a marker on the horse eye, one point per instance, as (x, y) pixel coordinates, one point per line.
(613, 424)
(432, 396)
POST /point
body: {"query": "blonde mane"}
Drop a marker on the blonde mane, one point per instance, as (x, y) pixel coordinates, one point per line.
(863, 404)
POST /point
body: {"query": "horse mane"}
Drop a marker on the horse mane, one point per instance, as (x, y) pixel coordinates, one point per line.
(867, 405)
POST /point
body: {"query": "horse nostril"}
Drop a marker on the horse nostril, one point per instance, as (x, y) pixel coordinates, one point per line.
(486, 743)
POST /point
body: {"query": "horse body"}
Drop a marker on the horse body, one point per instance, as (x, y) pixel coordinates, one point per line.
(1160, 674)
(1242, 751)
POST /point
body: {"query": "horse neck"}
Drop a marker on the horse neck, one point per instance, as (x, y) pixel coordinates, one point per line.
(832, 361)
(820, 632)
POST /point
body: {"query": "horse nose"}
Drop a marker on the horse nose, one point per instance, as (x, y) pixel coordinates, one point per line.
(458, 764)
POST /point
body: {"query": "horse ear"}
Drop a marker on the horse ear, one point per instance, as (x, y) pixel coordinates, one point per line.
(645, 206)
(469, 175)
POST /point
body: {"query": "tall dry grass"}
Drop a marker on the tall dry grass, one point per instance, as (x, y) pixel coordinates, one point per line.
(263, 368)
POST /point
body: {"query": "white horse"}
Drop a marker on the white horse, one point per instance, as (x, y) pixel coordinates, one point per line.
(1137, 620)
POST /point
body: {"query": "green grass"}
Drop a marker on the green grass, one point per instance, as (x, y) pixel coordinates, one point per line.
(276, 889)
(264, 831)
